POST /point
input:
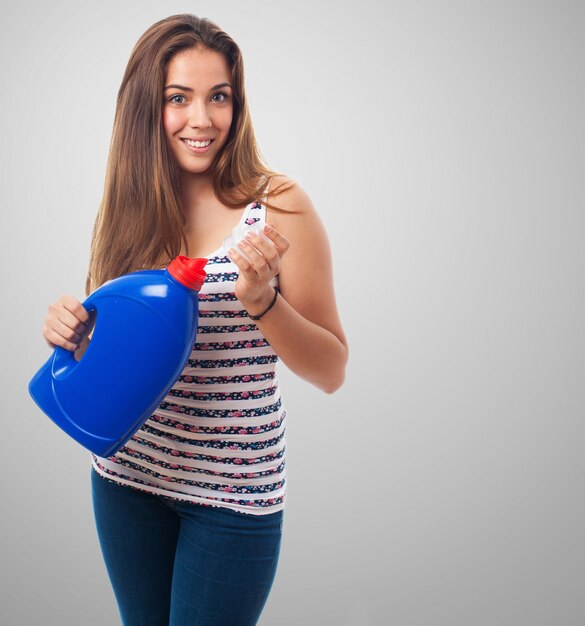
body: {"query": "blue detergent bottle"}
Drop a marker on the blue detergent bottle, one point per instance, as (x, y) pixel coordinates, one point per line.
(145, 326)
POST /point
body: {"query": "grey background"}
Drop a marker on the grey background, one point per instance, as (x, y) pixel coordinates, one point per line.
(443, 145)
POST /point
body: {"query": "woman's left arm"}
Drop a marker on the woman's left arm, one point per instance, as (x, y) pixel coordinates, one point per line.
(303, 326)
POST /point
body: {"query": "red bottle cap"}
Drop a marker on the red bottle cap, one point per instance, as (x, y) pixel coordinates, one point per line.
(188, 272)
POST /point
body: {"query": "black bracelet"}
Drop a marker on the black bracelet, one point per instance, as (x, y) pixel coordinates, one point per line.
(257, 317)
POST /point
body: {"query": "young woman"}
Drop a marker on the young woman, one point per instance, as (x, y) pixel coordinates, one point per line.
(189, 512)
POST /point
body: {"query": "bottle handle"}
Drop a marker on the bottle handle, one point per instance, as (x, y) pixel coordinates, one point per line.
(64, 361)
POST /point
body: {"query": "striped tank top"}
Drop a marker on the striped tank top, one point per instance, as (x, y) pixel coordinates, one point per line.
(218, 437)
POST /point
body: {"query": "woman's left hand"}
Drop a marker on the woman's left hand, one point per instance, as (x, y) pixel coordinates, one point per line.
(253, 288)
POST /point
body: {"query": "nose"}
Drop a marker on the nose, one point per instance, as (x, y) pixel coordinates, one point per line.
(198, 116)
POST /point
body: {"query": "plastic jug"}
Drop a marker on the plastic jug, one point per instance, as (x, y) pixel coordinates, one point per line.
(145, 326)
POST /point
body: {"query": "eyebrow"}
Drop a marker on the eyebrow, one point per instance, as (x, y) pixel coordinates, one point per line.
(189, 88)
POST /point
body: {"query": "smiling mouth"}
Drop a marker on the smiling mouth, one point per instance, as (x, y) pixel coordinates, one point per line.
(197, 144)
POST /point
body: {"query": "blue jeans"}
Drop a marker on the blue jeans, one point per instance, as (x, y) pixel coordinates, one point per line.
(175, 563)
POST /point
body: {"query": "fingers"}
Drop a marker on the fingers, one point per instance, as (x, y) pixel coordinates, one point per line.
(258, 255)
(53, 338)
(239, 260)
(262, 254)
(280, 241)
(63, 317)
(66, 324)
(271, 243)
(76, 308)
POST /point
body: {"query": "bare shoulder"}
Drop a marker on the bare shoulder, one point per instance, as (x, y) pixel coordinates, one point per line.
(290, 197)
(306, 271)
(296, 218)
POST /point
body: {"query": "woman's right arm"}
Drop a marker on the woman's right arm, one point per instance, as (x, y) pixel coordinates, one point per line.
(68, 325)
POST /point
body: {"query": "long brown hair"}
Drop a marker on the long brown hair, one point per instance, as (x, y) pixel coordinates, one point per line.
(140, 221)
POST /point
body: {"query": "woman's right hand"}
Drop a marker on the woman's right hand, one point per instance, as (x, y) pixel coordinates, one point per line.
(67, 324)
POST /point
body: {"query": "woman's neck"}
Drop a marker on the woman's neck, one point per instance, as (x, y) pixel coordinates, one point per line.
(196, 190)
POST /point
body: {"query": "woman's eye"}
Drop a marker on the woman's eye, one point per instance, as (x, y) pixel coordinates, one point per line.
(219, 97)
(223, 94)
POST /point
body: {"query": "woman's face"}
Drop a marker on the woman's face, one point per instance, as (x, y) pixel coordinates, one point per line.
(197, 105)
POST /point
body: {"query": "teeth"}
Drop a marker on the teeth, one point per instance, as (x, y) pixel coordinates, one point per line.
(197, 144)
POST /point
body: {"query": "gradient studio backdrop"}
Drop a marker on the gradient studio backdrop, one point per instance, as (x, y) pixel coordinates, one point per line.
(443, 144)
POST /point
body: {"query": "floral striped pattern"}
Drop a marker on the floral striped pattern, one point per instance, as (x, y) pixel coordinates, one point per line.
(218, 437)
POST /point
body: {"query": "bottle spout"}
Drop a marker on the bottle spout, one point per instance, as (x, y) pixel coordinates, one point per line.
(189, 272)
